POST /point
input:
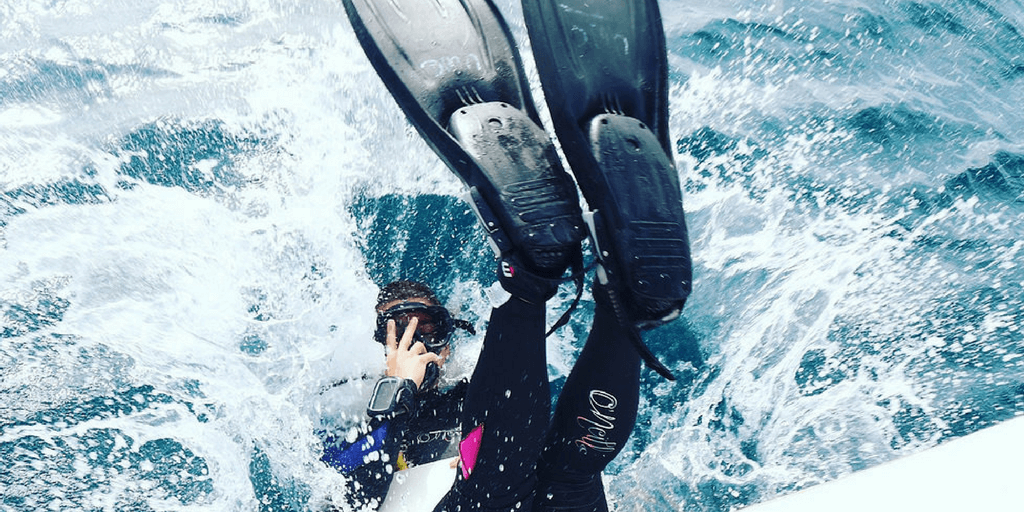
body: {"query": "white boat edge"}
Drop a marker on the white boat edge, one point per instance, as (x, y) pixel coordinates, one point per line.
(978, 472)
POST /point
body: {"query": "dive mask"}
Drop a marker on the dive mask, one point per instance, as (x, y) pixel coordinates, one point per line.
(435, 328)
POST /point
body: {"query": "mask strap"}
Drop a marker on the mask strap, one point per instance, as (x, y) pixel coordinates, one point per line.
(464, 325)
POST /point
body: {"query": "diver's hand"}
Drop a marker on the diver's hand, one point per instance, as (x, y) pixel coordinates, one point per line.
(405, 359)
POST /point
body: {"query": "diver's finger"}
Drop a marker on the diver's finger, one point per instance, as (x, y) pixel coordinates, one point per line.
(410, 330)
(418, 348)
(392, 338)
(431, 357)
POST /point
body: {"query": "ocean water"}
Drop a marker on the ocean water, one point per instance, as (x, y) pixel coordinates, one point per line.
(198, 201)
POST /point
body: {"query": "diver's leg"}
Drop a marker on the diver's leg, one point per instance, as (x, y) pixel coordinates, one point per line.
(593, 419)
(505, 414)
(611, 116)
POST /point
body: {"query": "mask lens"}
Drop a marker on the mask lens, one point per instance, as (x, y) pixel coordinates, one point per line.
(425, 327)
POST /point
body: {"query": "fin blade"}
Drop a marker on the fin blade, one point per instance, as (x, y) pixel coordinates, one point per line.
(604, 71)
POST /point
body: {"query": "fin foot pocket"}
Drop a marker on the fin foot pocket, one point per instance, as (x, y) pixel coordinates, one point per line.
(639, 222)
(522, 186)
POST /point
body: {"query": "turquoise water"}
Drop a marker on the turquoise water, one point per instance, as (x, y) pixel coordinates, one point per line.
(198, 202)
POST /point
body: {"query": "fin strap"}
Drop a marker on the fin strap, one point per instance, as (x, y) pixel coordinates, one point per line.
(578, 273)
(634, 336)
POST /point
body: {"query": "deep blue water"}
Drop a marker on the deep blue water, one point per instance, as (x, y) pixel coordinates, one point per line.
(198, 202)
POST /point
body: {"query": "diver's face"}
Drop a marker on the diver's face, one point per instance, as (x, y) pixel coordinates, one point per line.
(424, 322)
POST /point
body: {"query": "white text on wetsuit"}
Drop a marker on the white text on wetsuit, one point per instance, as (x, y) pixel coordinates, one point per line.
(602, 405)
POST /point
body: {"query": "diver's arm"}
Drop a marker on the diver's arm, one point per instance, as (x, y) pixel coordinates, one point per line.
(370, 461)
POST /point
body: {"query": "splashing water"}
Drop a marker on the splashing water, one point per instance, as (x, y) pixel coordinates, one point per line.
(197, 203)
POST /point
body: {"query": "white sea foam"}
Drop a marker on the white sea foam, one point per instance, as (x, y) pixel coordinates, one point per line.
(844, 296)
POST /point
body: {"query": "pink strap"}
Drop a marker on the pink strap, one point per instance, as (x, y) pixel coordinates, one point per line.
(469, 448)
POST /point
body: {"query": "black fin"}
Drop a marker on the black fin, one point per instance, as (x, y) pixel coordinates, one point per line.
(604, 72)
(453, 68)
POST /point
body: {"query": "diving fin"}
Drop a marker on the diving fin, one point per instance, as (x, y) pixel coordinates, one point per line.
(604, 71)
(454, 69)
(604, 74)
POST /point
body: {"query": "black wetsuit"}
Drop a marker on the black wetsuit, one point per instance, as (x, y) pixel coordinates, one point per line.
(523, 459)
(370, 460)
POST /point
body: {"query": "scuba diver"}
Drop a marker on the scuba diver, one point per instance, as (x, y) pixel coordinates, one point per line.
(411, 420)
(454, 69)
